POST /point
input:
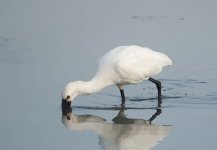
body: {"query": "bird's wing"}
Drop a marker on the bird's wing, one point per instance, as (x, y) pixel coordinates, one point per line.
(136, 65)
(132, 64)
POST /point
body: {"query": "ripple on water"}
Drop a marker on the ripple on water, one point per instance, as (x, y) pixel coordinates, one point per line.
(176, 93)
(115, 107)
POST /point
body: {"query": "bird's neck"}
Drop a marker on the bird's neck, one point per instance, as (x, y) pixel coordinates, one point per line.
(92, 86)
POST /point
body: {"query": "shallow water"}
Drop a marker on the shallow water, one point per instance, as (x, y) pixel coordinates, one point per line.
(45, 44)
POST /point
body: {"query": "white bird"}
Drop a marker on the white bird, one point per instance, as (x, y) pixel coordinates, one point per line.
(120, 66)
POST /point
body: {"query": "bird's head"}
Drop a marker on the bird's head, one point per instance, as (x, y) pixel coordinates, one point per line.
(69, 92)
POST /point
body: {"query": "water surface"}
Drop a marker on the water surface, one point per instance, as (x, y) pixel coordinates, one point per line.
(45, 44)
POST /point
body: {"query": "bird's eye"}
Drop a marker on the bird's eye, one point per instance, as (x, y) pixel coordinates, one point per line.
(68, 97)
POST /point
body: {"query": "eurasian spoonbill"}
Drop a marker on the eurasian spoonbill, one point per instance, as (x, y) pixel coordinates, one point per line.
(120, 66)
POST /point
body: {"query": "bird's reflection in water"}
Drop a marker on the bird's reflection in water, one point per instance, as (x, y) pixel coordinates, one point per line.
(123, 134)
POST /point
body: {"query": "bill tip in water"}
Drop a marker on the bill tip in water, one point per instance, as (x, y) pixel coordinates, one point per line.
(66, 102)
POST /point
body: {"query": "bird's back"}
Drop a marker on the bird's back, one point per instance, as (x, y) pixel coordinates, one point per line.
(132, 64)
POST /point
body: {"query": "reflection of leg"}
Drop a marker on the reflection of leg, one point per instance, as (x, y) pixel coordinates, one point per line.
(158, 85)
(158, 112)
(122, 96)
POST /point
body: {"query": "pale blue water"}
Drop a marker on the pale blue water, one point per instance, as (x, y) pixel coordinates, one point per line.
(45, 44)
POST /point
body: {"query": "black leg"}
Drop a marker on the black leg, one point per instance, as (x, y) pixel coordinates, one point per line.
(122, 96)
(158, 85)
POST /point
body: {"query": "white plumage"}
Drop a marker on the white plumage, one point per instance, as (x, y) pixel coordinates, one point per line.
(120, 66)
